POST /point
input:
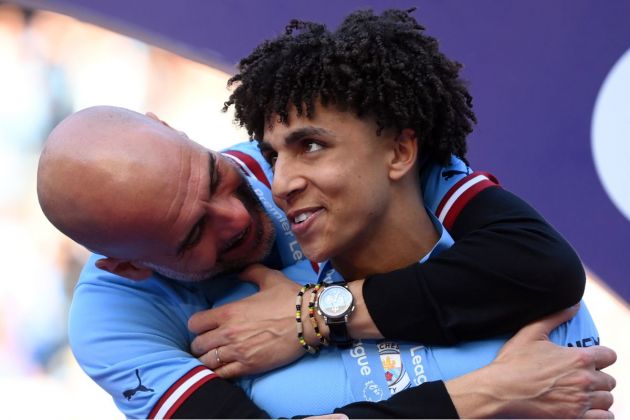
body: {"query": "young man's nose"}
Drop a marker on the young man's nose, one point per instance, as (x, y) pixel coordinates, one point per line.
(286, 181)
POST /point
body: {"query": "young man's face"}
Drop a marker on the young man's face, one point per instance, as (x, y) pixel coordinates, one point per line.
(330, 178)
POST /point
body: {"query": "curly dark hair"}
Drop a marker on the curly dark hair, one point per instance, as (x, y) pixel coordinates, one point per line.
(382, 67)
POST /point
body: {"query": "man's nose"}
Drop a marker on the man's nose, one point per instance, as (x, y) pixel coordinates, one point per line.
(229, 217)
(287, 180)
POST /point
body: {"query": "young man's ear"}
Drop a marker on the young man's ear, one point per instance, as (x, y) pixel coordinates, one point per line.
(405, 153)
(124, 268)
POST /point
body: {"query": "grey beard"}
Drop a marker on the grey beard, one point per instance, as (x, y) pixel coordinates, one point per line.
(254, 206)
(178, 275)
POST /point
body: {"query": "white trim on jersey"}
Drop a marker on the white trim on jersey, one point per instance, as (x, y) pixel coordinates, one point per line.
(240, 163)
(458, 192)
(177, 394)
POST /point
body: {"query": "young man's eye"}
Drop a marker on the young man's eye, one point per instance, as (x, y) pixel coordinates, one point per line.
(270, 156)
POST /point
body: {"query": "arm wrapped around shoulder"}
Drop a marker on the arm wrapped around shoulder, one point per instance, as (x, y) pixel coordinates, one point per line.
(508, 267)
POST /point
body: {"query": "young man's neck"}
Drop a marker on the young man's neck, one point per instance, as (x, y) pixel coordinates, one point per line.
(404, 237)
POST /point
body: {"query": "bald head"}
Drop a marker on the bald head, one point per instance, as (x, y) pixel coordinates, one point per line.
(102, 172)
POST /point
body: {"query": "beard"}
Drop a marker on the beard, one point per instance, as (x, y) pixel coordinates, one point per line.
(262, 241)
(179, 275)
(263, 235)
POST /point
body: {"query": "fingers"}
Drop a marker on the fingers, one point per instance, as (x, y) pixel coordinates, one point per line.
(539, 330)
(216, 358)
(220, 360)
(603, 382)
(225, 365)
(206, 342)
(231, 370)
(602, 356)
(598, 414)
(203, 321)
(218, 350)
(601, 400)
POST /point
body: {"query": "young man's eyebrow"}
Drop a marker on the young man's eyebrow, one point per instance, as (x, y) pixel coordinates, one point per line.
(299, 134)
(295, 136)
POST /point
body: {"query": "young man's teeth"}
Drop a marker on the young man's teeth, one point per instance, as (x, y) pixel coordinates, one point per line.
(301, 217)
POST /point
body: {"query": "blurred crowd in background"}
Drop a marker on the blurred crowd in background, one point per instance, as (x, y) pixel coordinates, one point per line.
(50, 66)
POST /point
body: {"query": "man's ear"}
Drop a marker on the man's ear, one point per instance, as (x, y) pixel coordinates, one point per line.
(405, 153)
(156, 118)
(153, 116)
(124, 268)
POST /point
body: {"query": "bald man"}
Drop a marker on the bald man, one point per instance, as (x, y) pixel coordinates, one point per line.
(131, 188)
(100, 197)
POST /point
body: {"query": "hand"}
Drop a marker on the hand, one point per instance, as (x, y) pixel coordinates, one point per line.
(252, 335)
(339, 416)
(532, 377)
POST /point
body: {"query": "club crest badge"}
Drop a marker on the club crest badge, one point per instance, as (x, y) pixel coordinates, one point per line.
(395, 374)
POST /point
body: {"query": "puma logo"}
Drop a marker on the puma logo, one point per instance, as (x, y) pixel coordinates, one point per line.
(131, 392)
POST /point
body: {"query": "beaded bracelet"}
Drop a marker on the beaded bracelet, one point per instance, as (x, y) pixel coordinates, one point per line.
(311, 314)
(298, 318)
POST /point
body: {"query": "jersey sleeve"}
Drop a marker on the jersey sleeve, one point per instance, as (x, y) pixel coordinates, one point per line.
(508, 267)
(132, 339)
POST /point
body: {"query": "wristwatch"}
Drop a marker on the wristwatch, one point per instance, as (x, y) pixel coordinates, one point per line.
(336, 303)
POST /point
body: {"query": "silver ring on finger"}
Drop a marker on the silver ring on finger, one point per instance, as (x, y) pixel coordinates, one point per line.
(216, 355)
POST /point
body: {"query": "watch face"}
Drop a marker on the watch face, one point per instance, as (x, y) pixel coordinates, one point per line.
(335, 301)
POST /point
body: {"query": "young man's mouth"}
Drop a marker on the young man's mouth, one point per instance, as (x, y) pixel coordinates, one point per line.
(301, 220)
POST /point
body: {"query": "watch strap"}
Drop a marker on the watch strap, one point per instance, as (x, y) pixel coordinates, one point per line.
(338, 334)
